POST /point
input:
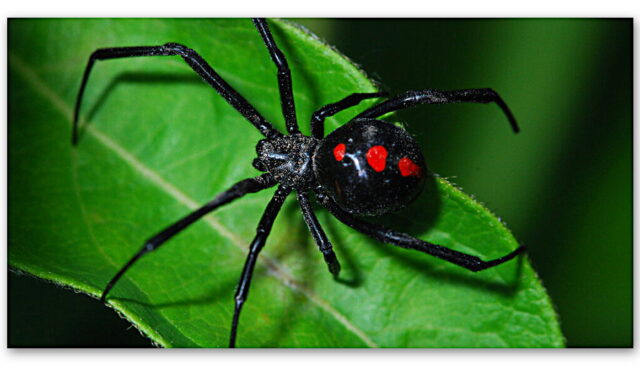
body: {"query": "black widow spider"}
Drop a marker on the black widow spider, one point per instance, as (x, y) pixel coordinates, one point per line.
(367, 167)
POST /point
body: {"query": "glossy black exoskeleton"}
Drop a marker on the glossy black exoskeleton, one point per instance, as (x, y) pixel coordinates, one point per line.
(366, 167)
(379, 170)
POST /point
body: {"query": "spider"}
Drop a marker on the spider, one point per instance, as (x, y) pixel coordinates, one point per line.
(367, 167)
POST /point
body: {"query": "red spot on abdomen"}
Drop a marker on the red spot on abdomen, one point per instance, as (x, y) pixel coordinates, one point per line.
(409, 168)
(377, 158)
(339, 151)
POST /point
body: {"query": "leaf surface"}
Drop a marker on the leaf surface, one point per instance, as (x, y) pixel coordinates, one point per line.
(156, 143)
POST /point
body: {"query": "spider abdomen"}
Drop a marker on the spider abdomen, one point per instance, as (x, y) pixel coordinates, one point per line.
(370, 167)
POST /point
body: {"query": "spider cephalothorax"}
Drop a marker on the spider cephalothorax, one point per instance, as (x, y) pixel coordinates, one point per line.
(288, 159)
(366, 167)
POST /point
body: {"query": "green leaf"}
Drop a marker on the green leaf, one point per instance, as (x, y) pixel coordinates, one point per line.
(157, 143)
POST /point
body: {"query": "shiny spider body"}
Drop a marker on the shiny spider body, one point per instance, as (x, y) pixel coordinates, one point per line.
(365, 167)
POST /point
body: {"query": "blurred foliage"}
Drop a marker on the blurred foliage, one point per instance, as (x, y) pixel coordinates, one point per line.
(564, 184)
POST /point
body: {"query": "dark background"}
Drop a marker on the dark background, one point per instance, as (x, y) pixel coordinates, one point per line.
(564, 185)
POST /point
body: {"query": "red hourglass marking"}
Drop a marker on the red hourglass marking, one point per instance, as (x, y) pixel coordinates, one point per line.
(338, 151)
(409, 168)
(377, 158)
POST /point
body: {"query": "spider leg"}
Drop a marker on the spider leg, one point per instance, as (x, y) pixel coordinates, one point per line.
(238, 190)
(317, 119)
(284, 75)
(399, 239)
(263, 230)
(197, 63)
(432, 96)
(318, 234)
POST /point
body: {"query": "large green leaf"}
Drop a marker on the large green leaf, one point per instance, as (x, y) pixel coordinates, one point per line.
(157, 143)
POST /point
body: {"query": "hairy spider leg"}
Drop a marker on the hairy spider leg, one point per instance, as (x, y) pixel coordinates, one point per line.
(197, 63)
(284, 76)
(250, 185)
(318, 234)
(432, 96)
(317, 119)
(403, 240)
(263, 230)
